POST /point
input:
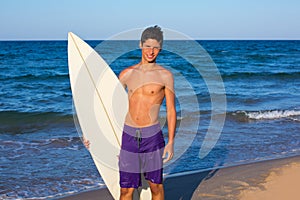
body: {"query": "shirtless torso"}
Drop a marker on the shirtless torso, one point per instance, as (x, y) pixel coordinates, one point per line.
(147, 86)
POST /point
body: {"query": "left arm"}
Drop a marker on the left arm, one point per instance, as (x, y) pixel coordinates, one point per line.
(171, 118)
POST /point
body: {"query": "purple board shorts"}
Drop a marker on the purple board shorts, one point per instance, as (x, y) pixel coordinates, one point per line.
(141, 153)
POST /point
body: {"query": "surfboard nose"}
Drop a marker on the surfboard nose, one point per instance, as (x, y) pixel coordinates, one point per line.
(70, 35)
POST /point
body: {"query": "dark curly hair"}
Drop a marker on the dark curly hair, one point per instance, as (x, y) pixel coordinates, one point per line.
(153, 32)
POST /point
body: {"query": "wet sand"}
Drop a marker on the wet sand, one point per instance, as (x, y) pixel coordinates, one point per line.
(274, 179)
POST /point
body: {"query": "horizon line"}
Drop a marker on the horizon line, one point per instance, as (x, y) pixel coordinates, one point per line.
(197, 39)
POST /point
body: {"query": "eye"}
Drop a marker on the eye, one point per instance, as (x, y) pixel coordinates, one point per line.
(147, 47)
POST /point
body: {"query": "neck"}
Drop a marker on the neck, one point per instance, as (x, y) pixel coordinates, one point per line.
(145, 62)
(147, 66)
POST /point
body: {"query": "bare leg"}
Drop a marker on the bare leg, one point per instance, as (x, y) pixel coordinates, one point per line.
(126, 193)
(157, 191)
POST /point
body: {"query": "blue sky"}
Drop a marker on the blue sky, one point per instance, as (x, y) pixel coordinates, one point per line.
(199, 19)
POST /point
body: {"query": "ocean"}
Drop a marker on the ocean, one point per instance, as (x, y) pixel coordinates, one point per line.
(42, 155)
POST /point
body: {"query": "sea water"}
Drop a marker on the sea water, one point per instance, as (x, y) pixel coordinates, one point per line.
(42, 155)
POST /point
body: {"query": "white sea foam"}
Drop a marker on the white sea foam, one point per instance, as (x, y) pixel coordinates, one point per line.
(272, 114)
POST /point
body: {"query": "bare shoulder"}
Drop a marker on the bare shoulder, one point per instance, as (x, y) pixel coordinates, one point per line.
(167, 77)
(126, 71)
(165, 73)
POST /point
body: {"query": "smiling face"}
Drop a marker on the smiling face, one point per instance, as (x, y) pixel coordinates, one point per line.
(150, 50)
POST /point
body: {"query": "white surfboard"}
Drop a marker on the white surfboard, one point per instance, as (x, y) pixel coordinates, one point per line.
(101, 105)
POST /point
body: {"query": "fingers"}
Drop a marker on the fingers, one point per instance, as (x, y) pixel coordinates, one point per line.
(86, 143)
(169, 151)
(169, 157)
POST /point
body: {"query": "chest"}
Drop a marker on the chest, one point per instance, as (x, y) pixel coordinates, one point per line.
(139, 79)
(147, 83)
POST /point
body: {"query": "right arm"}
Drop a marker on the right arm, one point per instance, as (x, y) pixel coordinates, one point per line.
(123, 77)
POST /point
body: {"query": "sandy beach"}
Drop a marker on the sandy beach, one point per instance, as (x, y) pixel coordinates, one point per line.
(282, 183)
(257, 181)
(274, 179)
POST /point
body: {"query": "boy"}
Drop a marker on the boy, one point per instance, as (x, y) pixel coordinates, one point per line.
(143, 146)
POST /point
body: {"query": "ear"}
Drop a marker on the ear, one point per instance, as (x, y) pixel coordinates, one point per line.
(141, 45)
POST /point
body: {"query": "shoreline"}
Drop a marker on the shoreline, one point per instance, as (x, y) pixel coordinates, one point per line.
(234, 182)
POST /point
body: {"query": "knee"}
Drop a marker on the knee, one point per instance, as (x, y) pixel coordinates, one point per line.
(156, 189)
(126, 192)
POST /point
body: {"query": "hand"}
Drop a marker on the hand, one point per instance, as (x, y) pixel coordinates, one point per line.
(86, 143)
(169, 150)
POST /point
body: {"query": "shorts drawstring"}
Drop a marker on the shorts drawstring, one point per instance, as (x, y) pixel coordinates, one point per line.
(138, 137)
